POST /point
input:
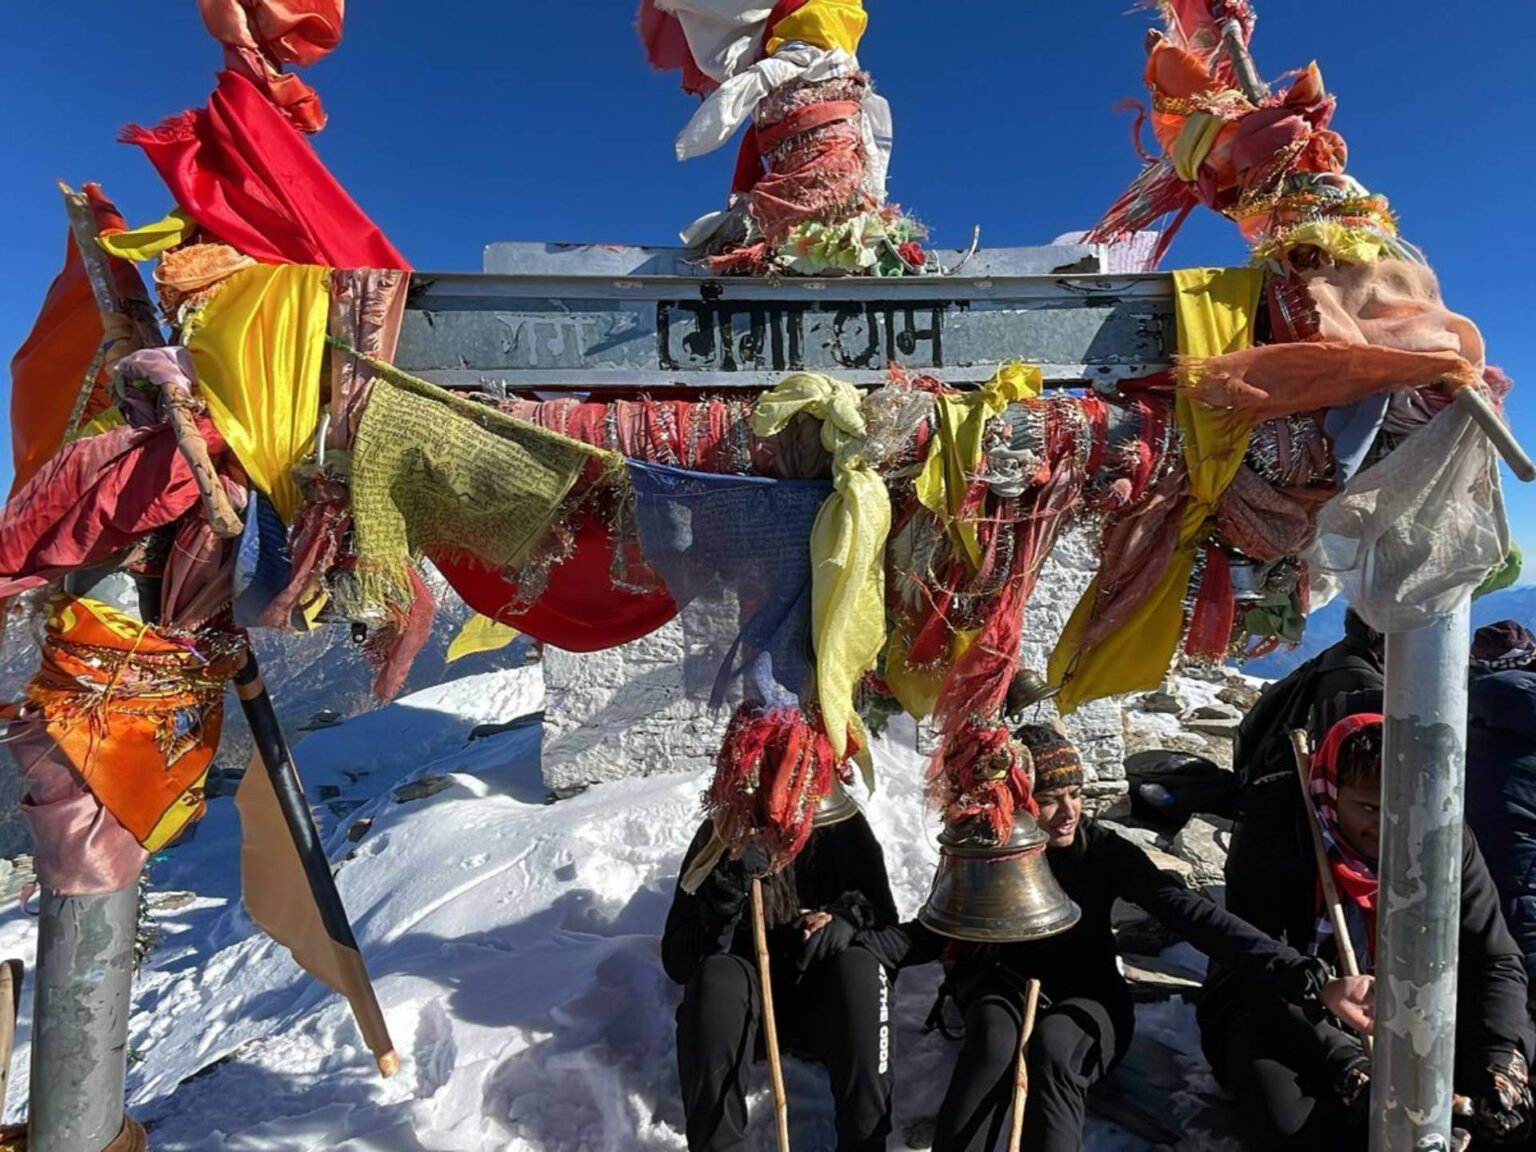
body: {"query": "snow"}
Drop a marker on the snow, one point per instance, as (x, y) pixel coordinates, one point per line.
(513, 943)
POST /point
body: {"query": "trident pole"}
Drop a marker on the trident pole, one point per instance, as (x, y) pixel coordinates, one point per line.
(1423, 780)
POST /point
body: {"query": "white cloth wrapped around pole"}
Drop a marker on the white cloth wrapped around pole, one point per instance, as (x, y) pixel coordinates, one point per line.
(724, 36)
(731, 105)
(1410, 537)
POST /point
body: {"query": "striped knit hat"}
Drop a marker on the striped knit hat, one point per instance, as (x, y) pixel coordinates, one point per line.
(1057, 764)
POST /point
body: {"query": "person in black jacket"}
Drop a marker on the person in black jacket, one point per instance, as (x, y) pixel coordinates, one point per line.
(831, 998)
(1262, 746)
(1086, 1018)
(1303, 1078)
(1501, 770)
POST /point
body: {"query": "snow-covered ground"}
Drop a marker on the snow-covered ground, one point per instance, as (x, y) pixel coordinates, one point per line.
(514, 944)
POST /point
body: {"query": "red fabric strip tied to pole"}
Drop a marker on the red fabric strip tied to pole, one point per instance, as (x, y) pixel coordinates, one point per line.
(250, 180)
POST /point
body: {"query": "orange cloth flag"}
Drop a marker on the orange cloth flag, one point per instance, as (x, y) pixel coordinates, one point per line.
(137, 712)
(49, 368)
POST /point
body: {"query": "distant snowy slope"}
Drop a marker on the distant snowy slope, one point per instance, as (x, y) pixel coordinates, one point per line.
(1327, 624)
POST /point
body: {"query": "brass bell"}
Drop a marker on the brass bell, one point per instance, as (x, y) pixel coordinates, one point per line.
(997, 893)
(835, 807)
(1027, 688)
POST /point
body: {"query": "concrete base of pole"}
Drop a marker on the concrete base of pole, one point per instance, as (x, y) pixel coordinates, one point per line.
(80, 1020)
(1423, 777)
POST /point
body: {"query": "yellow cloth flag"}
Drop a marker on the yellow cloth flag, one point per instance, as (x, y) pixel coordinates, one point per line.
(480, 634)
(847, 551)
(917, 689)
(435, 471)
(259, 347)
(149, 240)
(104, 421)
(1194, 144)
(827, 24)
(954, 455)
(1215, 309)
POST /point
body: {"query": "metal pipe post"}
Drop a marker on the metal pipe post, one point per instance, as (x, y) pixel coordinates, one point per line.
(80, 1019)
(1423, 776)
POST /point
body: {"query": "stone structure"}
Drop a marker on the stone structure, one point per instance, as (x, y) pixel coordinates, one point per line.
(1097, 728)
(638, 709)
(626, 712)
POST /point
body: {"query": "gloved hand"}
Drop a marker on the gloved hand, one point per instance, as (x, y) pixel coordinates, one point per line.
(823, 935)
(1501, 1101)
(726, 888)
(1353, 1088)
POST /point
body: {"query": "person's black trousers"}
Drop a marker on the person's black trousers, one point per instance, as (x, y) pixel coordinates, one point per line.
(838, 1013)
(1076, 1043)
(1283, 1065)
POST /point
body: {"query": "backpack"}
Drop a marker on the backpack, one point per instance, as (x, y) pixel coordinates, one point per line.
(1262, 747)
(1192, 784)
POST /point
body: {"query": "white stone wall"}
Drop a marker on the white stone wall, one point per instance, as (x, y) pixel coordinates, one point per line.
(638, 709)
(625, 712)
(1098, 729)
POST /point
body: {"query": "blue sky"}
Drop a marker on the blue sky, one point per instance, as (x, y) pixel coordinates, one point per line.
(461, 122)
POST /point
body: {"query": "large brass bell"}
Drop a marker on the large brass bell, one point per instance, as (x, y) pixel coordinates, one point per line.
(835, 807)
(997, 893)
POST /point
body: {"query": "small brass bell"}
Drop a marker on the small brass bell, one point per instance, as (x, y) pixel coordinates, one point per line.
(835, 807)
(1027, 688)
(997, 893)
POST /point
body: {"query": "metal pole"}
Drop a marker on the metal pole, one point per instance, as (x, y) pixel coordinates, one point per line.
(80, 1019)
(1423, 774)
(1242, 63)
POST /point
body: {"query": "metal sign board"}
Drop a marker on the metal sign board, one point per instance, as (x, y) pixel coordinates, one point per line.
(595, 318)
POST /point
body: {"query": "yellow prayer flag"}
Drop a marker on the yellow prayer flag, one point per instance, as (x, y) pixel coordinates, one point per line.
(480, 634)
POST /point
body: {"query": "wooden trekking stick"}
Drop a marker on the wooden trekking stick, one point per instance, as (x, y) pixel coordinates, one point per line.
(1347, 959)
(1021, 1065)
(143, 334)
(11, 973)
(770, 1030)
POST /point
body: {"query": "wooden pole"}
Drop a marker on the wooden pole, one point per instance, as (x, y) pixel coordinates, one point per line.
(143, 333)
(1021, 1065)
(139, 313)
(11, 974)
(1347, 959)
(770, 1030)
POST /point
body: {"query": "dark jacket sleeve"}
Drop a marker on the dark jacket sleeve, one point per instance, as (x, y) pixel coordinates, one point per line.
(1493, 984)
(1261, 872)
(1220, 935)
(894, 944)
(693, 931)
(906, 945)
(1501, 793)
(866, 867)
